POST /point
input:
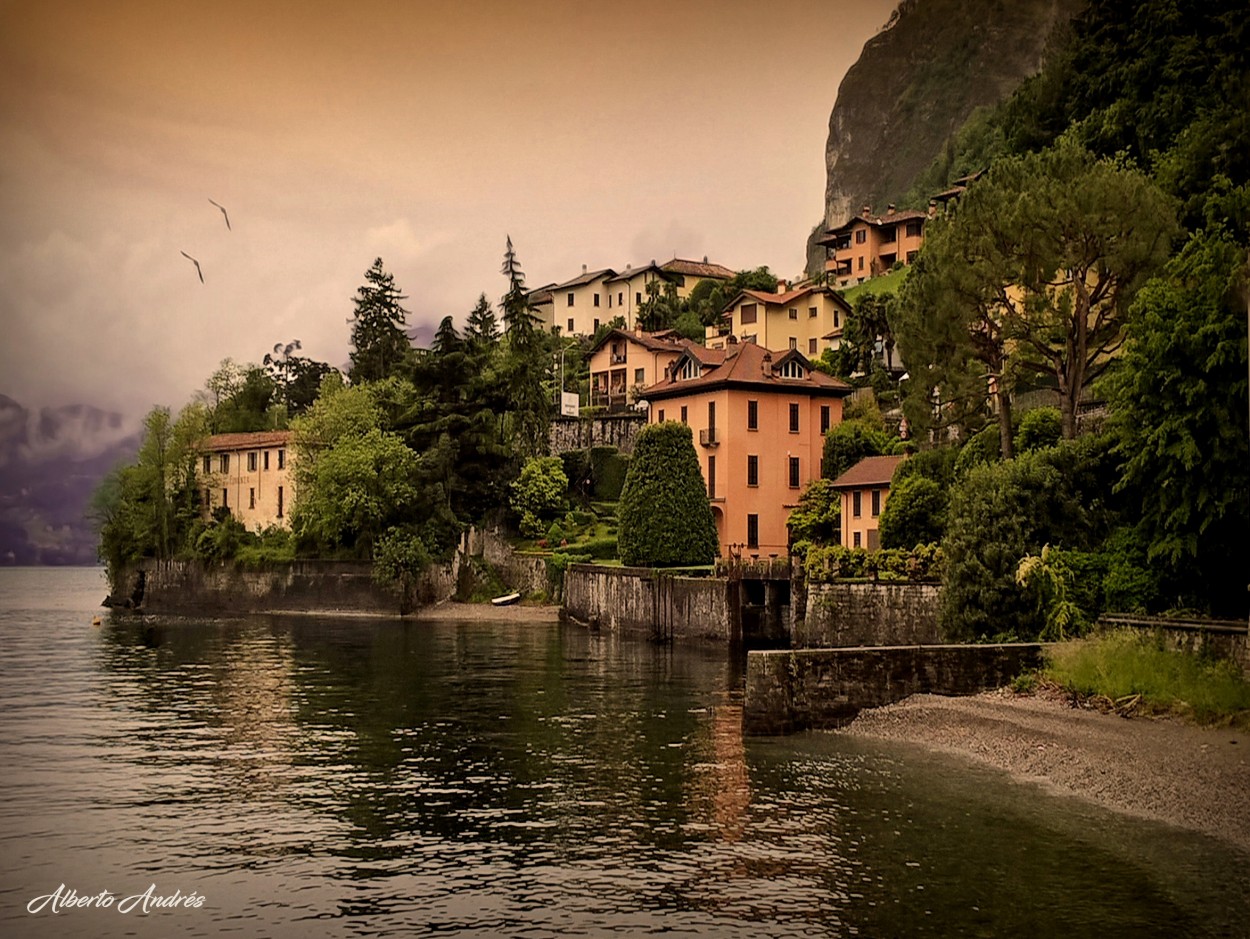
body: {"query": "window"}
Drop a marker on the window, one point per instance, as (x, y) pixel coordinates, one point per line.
(824, 419)
(753, 531)
(792, 369)
(208, 464)
(637, 298)
(753, 470)
(794, 472)
(857, 544)
(874, 539)
(861, 262)
(711, 417)
(208, 499)
(748, 313)
(609, 301)
(876, 502)
(570, 324)
(281, 459)
(913, 228)
(251, 498)
(570, 300)
(794, 418)
(690, 369)
(794, 343)
(596, 325)
(711, 477)
(596, 299)
(856, 508)
(251, 462)
(811, 346)
(225, 498)
(683, 414)
(620, 298)
(266, 461)
(640, 376)
(660, 419)
(794, 313)
(837, 319)
(811, 312)
(861, 236)
(225, 462)
(279, 502)
(753, 415)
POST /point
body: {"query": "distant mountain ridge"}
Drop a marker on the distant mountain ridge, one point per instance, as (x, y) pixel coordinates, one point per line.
(916, 83)
(51, 461)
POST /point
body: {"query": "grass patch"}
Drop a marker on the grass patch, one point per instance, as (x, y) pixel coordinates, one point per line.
(1122, 665)
(885, 283)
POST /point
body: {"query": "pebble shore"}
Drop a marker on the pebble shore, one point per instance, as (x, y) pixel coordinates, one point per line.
(1158, 768)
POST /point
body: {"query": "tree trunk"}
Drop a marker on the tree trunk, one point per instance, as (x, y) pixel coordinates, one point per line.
(1004, 422)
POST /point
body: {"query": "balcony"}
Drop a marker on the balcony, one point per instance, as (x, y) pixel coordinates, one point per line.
(707, 437)
(618, 358)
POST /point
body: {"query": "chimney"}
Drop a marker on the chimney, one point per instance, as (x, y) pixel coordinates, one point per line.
(782, 285)
(932, 207)
(705, 259)
(583, 268)
(866, 211)
(889, 209)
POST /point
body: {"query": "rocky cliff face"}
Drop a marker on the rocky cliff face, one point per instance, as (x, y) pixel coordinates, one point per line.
(917, 81)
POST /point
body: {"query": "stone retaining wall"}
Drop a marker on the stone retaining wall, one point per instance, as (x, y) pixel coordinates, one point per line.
(581, 433)
(641, 601)
(788, 691)
(877, 614)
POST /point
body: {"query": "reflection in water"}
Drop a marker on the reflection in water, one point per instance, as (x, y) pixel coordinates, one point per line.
(319, 777)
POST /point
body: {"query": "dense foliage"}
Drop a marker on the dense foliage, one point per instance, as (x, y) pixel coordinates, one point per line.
(665, 517)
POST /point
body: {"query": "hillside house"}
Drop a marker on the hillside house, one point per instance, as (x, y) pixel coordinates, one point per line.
(625, 361)
(807, 319)
(864, 489)
(869, 245)
(759, 420)
(249, 474)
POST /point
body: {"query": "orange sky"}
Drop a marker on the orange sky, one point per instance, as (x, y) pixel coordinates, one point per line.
(420, 132)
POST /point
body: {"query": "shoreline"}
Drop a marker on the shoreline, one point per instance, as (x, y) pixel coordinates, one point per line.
(1157, 768)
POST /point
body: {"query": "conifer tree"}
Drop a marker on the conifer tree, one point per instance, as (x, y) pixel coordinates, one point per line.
(527, 364)
(482, 331)
(380, 345)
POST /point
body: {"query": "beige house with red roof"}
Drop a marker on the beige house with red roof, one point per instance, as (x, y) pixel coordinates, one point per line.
(578, 307)
(759, 420)
(624, 362)
(869, 245)
(250, 474)
(864, 489)
(807, 319)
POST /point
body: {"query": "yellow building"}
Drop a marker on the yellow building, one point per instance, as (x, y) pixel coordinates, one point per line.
(864, 489)
(808, 319)
(249, 474)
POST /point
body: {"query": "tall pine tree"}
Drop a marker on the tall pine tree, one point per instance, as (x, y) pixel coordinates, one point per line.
(526, 364)
(379, 343)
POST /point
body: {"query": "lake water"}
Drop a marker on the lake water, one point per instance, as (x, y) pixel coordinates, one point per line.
(310, 776)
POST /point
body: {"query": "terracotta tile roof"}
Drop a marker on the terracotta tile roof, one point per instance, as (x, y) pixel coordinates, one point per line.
(662, 341)
(698, 268)
(250, 441)
(906, 215)
(781, 299)
(870, 471)
(747, 365)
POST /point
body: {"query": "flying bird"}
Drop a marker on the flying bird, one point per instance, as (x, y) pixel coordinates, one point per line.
(196, 263)
(223, 214)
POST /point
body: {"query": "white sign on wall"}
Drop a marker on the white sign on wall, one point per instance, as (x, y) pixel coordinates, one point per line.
(570, 405)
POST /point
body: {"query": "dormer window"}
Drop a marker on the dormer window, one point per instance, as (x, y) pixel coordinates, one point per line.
(689, 369)
(792, 368)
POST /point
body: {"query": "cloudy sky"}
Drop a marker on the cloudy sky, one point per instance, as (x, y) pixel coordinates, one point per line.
(421, 132)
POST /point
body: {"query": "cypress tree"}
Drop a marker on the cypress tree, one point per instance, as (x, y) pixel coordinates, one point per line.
(665, 516)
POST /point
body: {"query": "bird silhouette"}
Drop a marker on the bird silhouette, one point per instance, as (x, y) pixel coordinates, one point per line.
(196, 263)
(223, 214)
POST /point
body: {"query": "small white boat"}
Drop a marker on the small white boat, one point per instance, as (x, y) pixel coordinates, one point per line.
(506, 599)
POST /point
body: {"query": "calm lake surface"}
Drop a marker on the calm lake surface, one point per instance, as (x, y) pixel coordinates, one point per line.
(309, 776)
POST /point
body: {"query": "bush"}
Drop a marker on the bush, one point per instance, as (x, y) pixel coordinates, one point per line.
(937, 464)
(1039, 429)
(538, 494)
(1131, 583)
(915, 513)
(985, 446)
(600, 549)
(826, 563)
(849, 442)
(608, 468)
(818, 516)
(664, 512)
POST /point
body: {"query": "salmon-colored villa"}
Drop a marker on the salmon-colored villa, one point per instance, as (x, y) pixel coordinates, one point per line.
(808, 319)
(250, 474)
(623, 363)
(759, 420)
(870, 245)
(864, 489)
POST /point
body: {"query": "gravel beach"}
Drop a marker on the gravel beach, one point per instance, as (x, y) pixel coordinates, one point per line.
(1157, 768)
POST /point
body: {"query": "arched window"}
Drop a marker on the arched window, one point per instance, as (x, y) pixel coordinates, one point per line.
(690, 369)
(792, 369)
